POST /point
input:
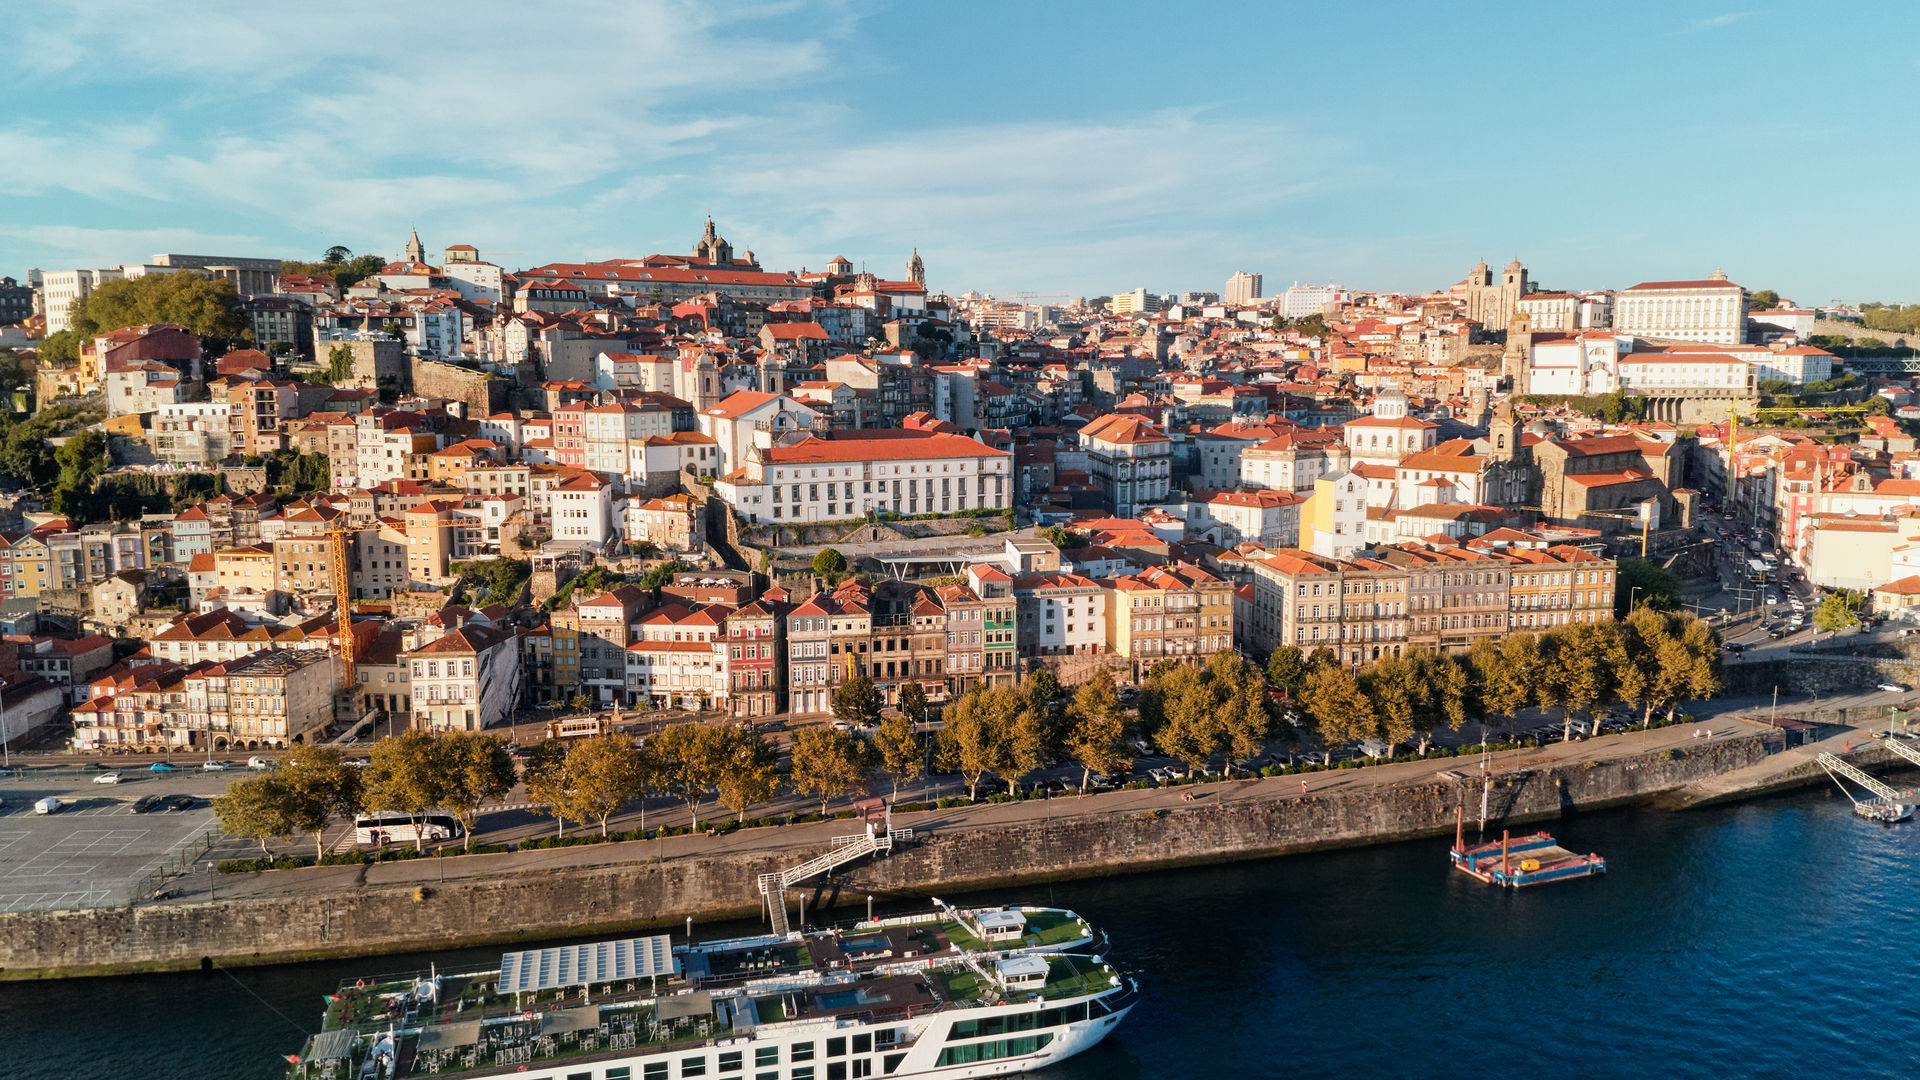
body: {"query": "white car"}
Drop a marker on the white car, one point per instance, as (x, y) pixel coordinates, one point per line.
(259, 763)
(107, 778)
(1893, 688)
(213, 766)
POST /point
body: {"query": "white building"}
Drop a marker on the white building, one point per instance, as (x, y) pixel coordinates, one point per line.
(1711, 310)
(1333, 523)
(1303, 300)
(902, 472)
(60, 288)
(582, 509)
(734, 422)
(465, 680)
(1060, 614)
(1389, 434)
(1226, 518)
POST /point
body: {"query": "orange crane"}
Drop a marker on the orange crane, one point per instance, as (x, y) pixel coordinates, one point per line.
(343, 600)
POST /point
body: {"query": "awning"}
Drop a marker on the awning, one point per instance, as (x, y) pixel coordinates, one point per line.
(582, 965)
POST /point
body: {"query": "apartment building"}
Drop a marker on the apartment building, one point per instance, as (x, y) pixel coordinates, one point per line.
(1179, 611)
(851, 474)
(1130, 460)
(756, 657)
(465, 680)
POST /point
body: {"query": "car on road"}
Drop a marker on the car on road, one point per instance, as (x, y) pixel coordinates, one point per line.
(1893, 688)
(214, 766)
(774, 725)
(1775, 632)
(49, 805)
(1735, 647)
(107, 778)
(161, 766)
(146, 803)
(259, 763)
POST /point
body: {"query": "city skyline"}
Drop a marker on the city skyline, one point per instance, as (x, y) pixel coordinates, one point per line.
(1082, 155)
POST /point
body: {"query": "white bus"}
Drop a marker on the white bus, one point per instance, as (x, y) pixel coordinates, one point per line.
(394, 827)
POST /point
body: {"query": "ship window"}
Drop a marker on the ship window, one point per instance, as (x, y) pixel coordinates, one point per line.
(774, 1075)
(889, 1063)
(766, 1055)
(836, 1070)
(655, 1071)
(863, 1044)
(837, 1046)
(804, 1072)
(862, 1067)
(622, 1073)
(693, 1066)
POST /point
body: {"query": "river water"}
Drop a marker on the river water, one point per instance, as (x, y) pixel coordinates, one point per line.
(1772, 939)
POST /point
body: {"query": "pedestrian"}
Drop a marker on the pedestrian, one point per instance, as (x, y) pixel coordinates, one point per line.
(1303, 785)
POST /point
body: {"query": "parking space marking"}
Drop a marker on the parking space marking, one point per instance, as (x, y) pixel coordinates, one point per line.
(78, 854)
(53, 901)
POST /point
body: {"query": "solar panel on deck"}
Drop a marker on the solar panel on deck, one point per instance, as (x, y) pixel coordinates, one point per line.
(579, 965)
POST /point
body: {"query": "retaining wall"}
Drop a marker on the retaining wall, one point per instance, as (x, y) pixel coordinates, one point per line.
(945, 858)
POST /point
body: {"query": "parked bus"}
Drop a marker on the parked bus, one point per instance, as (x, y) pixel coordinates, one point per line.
(394, 827)
(1757, 572)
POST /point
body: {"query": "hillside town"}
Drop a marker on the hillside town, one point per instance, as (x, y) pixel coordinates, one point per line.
(431, 494)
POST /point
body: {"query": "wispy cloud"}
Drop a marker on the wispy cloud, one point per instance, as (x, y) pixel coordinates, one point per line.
(1715, 22)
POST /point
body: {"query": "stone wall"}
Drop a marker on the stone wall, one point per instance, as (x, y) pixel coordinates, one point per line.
(482, 393)
(520, 904)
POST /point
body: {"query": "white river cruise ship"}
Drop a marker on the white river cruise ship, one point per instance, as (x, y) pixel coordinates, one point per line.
(947, 993)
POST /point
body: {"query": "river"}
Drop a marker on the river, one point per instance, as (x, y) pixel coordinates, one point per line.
(1770, 939)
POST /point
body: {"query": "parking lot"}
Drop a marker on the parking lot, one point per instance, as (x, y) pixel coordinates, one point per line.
(96, 850)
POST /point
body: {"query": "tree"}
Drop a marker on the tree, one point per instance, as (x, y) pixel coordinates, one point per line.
(473, 769)
(1035, 733)
(581, 702)
(1064, 539)
(687, 761)
(830, 564)
(828, 763)
(257, 809)
(1321, 656)
(858, 703)
(1247, 715)
(1837, 612)
(1392, 684)
(749, 771)
(1096, 734)
(898, 744)
(973, 740)
(1763, 300)
(404, 776)
(913, 701)
(545, 774)
(661, 574)
(61, 349)
(207, 306)
(318, 786)
(336, 255)
(1337, 708)
(1189, 712)
(1578, 669)
(81, 460)
(1286, 667)
(601, 774)
(1443, 699)
(1503, 675)
(1641, 582)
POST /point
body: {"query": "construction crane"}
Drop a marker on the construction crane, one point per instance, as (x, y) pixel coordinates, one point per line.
(343, 600)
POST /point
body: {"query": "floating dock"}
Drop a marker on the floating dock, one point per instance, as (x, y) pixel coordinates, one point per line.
(1521, 862)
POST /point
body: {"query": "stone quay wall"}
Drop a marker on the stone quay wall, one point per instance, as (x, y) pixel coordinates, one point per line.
(946, 857)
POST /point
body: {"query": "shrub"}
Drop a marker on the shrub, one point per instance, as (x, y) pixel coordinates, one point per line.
(248, 866)
(343, 858)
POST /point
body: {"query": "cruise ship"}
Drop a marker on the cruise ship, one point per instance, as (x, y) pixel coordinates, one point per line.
(945, 993)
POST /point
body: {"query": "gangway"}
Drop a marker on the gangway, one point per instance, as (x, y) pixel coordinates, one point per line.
(1889, 805)
(843, 850)
(1901, 747)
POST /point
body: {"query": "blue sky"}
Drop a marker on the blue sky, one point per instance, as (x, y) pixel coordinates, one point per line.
(1023, 146)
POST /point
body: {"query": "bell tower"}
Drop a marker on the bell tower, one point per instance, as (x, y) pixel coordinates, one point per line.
(917, 270)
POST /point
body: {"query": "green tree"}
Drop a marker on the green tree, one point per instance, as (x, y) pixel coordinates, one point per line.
(1443, 697)
(913, 701)
(318, 786)
(749, 771)
(828, 763)
(901, 753)
(661, 574)
(1838, 611)
(404, 776)
(339, 365)
(1247, 714)
(857, 702)
(473, 769)
(61, 349)
(1393, 686)
(830, 564)
(1578, 673)
(1643, 582)
(1190, 723)
(1504, 675)
(581, 702)
(1763, 300)
(1286, 668)
(207, 306)
(1035, 737)
(1096, 734)
(257, 809)
(1338, 709)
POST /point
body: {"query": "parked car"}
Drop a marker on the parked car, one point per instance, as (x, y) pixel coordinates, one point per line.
(774, 725)
(161, 766)
(259, 763)
(1893, 688)
(107, 778)
(181, 802)
(213, 766)
(49, 805)
(147, 802)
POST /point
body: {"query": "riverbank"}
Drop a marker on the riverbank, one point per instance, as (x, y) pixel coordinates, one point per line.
(324, 912)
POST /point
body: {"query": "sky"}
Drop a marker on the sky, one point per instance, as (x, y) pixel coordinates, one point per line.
(1039, 147)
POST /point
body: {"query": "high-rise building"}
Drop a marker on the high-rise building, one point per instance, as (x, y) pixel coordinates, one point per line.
(1139, 301)
(1243, 288)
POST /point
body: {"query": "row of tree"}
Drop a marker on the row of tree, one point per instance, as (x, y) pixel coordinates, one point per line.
(1651, 661)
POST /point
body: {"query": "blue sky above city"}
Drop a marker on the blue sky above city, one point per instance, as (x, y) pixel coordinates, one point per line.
(1078, 149)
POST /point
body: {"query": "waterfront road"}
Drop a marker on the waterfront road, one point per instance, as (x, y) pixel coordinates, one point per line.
(803, 841)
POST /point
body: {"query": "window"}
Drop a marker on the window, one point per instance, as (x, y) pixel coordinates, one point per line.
(766, 1055)
(837, 1046)
(801, 1052)
(836, 1070)
(730, 1061)
(693, 1066)
(656, 1070)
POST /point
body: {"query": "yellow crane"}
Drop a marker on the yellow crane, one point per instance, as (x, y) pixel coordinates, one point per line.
(343, 600)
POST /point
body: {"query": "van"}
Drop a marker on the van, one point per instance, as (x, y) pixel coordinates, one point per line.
(48, 805)
(259, 763)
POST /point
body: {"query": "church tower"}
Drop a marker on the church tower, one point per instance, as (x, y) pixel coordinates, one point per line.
(917, 270)
(712, 248)
(416, 251)
(1518, 358)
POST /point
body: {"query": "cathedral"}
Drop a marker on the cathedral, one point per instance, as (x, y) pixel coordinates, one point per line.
(713, 250)
(1490, 304)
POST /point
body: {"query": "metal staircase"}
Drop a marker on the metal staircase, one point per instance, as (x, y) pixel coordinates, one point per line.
(1902, 748)
(1889, 804)
(844, 849)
